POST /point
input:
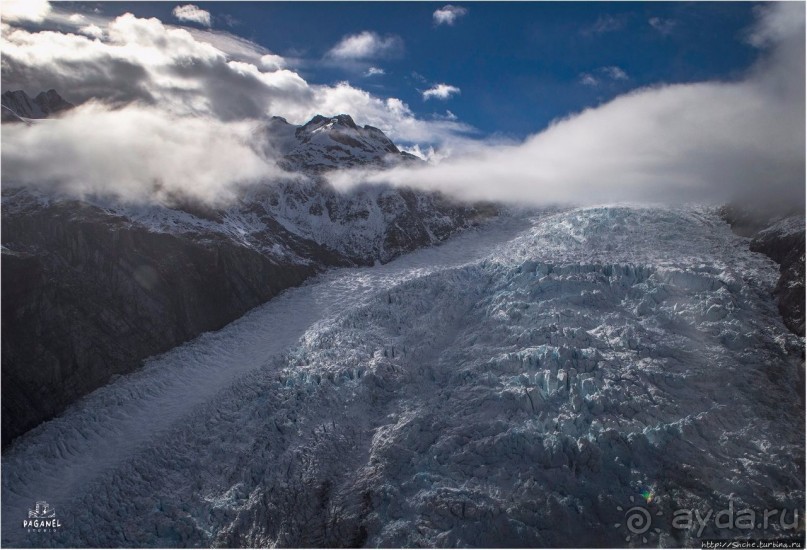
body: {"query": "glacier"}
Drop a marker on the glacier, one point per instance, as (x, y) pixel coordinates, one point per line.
(519, 385)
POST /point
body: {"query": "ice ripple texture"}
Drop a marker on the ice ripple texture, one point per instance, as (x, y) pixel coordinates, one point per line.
(514, 387)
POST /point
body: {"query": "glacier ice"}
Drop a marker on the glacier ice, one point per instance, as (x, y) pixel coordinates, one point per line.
(512, 387)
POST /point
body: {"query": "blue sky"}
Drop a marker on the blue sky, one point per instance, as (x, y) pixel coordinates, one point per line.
(518, 66)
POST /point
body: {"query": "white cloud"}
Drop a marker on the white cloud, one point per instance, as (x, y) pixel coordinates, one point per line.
(140, 59)
(229, 20)
(615, 73)
(365, 45)
(272, 62)
(93, 31)
(664, 26)
(374, 71)
(448, 14)
(588, 79)
(429, 154)
(440, 91)
(192, 14)
(24, 10)
(772, 23)
(709, 141)
(68, 21)
(604, 24)
(235, 47)
(419, 77)
(134, 154)
(611, 72)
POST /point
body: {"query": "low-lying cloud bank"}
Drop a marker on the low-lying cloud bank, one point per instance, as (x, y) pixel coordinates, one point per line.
(134, 154)
(711, 141)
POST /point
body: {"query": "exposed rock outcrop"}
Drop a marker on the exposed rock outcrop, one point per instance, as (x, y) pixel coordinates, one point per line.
(784, 243)
(781, 237)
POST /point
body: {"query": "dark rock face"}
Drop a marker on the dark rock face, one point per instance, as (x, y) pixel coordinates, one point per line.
(89, 296)
(51, 102)
(786, 247)
(781, 237)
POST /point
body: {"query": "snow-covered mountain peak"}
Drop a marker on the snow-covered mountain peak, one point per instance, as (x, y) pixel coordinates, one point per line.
(319, 122)
(325, 143)
(343, 130)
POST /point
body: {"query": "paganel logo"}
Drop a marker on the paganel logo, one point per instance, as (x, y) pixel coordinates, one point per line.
(41, 518)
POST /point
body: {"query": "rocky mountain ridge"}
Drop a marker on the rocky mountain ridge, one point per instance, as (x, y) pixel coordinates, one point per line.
(18, 105)
(326, 143)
